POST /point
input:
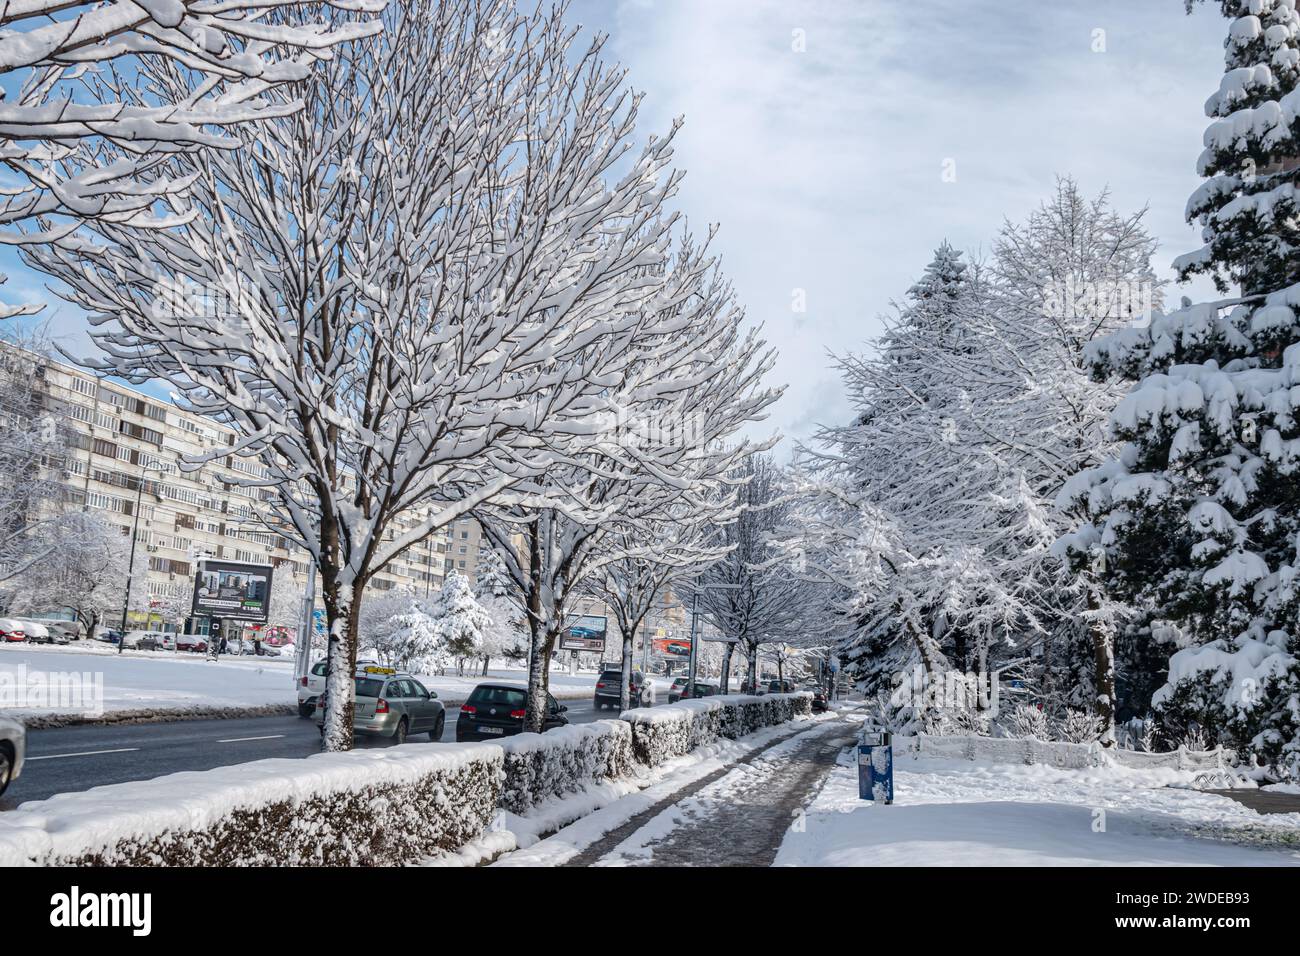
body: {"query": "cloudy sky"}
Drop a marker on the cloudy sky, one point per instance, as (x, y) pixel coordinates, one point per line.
(824, 167)
(818, 131)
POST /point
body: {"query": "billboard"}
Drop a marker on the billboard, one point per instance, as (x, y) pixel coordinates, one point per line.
(585, 633)
(233, 591)
(676, 648)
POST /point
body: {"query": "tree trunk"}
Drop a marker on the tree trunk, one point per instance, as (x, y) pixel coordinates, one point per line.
(726, 668)
(486, 661)
(340, 684)
(752, 653)
(625, 680)
(1103, 652)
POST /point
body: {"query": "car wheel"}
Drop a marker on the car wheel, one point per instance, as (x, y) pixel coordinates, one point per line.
(436, 734)
(6, 767)
(399, 735)
(306, 710)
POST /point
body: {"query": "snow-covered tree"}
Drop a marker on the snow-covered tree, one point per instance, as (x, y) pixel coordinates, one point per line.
(504, 636)
(85, 136)
(33, 455)
(749, 593)
(666, 451)
(407, 297)
(460, 623)
(87, 574)
(1195, 522)
(932, 515)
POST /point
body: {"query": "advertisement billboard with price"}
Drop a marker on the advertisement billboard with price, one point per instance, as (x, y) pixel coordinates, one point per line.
(229, 590)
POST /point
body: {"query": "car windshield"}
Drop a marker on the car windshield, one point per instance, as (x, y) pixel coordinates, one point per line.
(502, 696)
(369, 687)
(612, 675)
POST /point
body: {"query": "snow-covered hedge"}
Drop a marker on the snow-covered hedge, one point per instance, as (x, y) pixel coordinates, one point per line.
(379, 806)
(661, 733)
(367, 807)
(541, 766)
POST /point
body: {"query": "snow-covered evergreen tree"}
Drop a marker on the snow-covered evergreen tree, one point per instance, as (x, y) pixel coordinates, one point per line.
(1196, 521)
(459, 621)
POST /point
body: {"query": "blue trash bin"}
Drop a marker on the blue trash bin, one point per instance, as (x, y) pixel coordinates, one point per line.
(876, 767)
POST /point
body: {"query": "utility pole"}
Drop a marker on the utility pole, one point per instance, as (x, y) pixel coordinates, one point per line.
(308, 630)
(130, 564)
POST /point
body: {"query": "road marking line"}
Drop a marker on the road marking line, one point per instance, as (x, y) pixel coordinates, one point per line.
(83, 753)
(236, 740)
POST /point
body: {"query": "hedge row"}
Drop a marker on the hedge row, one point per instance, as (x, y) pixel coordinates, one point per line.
(662, 733)
(368, 807)
(363, 808)
(541, 766)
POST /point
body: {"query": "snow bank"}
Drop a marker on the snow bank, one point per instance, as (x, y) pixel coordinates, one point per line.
(366, 807)
(661, 733)
(963, 813)
(1031, 751)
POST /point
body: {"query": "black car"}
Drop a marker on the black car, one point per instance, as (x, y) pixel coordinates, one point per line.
(609, 685)
(494, 711)
(819, 700)
(694, 692)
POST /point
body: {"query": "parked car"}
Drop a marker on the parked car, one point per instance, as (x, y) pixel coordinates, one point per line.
(192, 642)
(108, 636)
(11, 631)
(819, 703)
(782, 687)
(697, 690)
(13, 747)
(36, 631)
(498, 710)
(145, 640)
(312, 685)
(609, 690)
(389, 704)
(675, 690)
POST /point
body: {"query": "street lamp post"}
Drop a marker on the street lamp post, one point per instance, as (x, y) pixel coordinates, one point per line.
(130, 564)
(695, 611)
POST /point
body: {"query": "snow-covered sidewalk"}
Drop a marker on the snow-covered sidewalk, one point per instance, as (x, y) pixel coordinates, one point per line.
(622, 823)
(963, 813)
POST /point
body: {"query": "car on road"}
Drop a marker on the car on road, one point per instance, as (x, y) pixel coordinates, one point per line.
(498, 710)
(609, 690)
(782, 687)
(675, 689)
(312, 685)
(695, 691)
(13, 747)
(819, 703)
(11, 631)
(391, 704)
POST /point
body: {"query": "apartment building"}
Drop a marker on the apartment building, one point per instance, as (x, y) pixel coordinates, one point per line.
(128, 444)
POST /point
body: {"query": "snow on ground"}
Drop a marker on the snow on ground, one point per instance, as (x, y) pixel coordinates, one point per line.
(964, 813)
(186, 683)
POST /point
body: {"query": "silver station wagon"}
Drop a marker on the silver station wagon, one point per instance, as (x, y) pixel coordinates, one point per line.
(390, 704)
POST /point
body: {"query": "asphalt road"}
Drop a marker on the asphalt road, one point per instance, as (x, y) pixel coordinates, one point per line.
(69, 759)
